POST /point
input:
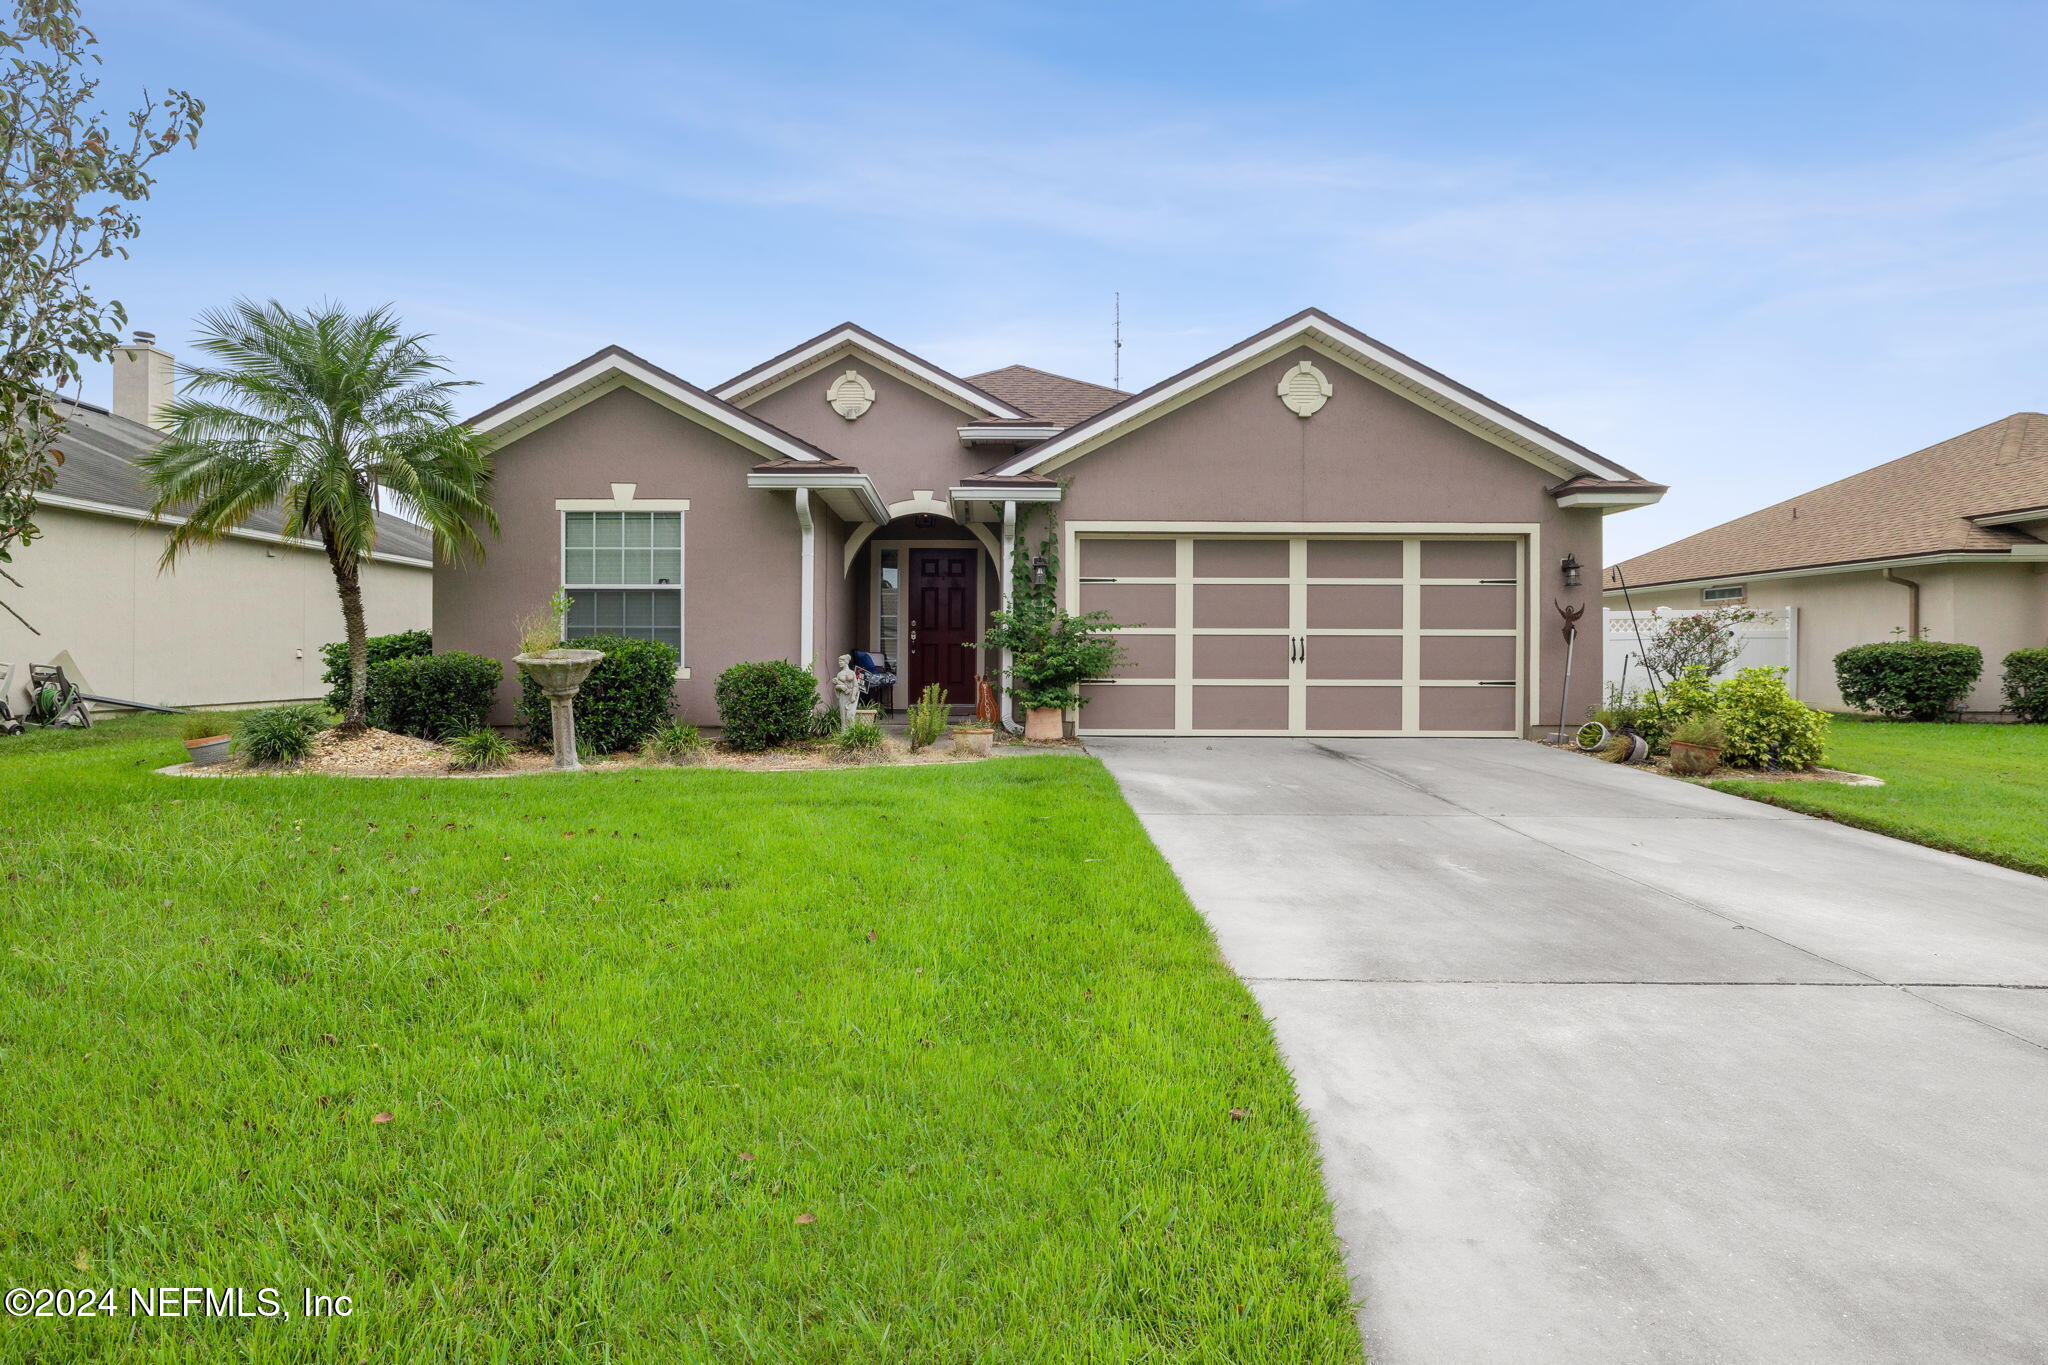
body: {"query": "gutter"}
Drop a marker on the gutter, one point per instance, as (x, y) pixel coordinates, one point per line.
(1912, 602)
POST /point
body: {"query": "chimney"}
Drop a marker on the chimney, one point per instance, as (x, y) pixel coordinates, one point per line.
(142, 380)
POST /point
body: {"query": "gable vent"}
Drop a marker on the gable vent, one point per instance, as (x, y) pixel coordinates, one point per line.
(850, 395)
(1304, 389)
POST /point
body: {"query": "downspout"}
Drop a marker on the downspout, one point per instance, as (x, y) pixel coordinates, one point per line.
(1912, 602)
(807, 645)
(1003, 580)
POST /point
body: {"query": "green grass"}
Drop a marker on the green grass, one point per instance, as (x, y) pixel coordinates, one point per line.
(1980, 790)
(629, 1028)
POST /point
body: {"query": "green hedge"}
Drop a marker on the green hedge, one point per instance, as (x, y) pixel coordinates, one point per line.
(1765, 726)
(1908, 679)
(434, 696)
(761, 705)
(406, 644)
(2026, 684)
(626, 697)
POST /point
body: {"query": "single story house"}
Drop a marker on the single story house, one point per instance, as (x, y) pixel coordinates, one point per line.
(1948, 543)
(236, 623)
(1307, 533)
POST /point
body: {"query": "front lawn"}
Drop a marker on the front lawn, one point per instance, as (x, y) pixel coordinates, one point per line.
(930, 1064)
(1980, 790)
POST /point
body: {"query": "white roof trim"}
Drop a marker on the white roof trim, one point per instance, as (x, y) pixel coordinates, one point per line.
(1613, 501)
(607, 372)
(860, 485)
(2026, 554)
(1496, 422)
(976, 433)
(136, 514)
(766, 373)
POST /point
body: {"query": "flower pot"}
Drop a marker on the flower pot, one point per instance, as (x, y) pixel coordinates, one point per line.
(977, 742)
(1693, 760)
(204, 753)
(867, 715)
(1045, 723)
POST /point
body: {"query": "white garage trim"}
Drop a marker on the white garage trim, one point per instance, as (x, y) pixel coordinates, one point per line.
(1525, 538)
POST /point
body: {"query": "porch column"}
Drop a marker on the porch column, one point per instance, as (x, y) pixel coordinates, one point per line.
(1003, 565)
(807, 644)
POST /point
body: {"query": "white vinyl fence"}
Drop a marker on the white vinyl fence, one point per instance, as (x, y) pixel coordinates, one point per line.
(1770, 641)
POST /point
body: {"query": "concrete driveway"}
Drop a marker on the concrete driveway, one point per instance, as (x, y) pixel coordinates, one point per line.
(1606, 1067)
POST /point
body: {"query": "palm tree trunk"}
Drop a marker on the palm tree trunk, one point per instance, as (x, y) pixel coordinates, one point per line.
(348, 583)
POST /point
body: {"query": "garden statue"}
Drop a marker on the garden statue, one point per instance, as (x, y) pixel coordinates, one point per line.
(846, 683)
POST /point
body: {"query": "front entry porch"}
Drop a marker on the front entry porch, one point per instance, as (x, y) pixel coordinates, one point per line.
(923, 589)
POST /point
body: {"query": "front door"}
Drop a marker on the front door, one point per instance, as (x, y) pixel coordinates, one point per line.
(941, 622)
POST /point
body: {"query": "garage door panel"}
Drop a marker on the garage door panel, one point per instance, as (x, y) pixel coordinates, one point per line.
(1241, 558)
(1352, 606)
(1131, 604)
(1468, 657)
(1146, 656)
(1354, 708)
(1130, 558)
(1468, 559)
(1240, 708)
(1354, 558)
(1461, 607)
(1487, 709)
(1353, 656)
(1242, 656)
(1116, 706)
(1241, 605)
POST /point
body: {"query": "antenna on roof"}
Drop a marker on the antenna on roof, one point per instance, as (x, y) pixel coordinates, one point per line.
(1118, 348)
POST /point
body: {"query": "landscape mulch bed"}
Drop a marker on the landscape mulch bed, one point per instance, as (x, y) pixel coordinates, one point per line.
(1662, 765)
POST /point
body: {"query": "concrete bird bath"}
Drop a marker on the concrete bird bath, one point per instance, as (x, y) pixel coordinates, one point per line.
(560, 672)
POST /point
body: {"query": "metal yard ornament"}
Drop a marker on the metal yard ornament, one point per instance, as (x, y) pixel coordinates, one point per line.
(1571, 616)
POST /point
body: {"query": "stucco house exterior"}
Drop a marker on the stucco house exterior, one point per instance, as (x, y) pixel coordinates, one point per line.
(236, 623)
(1948, 543)
(1307, 533)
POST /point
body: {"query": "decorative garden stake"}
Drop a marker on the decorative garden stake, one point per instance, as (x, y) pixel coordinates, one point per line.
(1571, 617)
(560, 673)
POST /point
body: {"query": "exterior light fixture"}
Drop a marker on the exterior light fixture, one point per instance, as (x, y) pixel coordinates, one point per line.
(1571, 570)
(1038, 571)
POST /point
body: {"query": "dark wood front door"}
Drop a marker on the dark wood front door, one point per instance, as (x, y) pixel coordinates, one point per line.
(941, 622)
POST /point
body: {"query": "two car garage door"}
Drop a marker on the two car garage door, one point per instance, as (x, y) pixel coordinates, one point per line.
(1316, 635)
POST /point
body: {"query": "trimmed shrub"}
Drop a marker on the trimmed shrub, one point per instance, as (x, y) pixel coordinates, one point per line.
(433, 696)
(630, 692)
(1766, 726)
(762, 705)
(479, 750)
(405, 644)
(1908, 679)
(280, 734)
(2026, 684)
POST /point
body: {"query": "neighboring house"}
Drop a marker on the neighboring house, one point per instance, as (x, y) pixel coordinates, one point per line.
(1308, 533)
(1948, 543)
(235, 623)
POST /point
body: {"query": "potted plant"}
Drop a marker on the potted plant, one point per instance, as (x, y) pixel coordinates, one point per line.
(204, 745)
(1696, 745)
(977, 740)
(1051, 654)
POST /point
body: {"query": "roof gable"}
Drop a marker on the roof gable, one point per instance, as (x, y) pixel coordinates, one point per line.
(1311, 328)
(826, 347)
(1919, 504)
(615, 367)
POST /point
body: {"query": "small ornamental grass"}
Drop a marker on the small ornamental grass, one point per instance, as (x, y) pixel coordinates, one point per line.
(676, 742)
(281, 735)
(480, 750)
(858, 742)
(928, 716)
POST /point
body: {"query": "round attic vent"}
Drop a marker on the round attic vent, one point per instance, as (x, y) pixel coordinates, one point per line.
(1304, 389)
(850, 395)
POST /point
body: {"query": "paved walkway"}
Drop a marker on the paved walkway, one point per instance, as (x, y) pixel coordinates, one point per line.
(1606, 1067)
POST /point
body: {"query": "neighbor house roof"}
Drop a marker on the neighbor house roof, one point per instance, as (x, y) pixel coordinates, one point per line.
(1053, 397)
(99, 474)
(1919, 504)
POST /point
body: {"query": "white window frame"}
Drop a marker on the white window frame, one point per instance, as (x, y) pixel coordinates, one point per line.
(623, 499)
(1725, 592)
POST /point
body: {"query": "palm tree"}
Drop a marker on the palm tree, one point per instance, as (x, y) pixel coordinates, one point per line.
(316, 413)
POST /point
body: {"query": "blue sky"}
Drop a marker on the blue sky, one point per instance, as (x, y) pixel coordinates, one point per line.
(1745, 248)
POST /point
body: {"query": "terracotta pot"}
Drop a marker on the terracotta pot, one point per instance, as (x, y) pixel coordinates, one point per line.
(1045, 723)
(1694, 760)
(977, 742)
(204, 753)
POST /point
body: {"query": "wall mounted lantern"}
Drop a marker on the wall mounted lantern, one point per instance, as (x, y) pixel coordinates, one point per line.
(1039, 569)
(1571, 570)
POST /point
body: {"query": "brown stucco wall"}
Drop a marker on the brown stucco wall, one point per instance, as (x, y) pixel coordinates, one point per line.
(740, 546)
(907, 440)
(1369, 455)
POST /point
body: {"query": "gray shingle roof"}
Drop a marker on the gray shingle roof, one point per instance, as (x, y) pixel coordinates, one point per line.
(100, 451)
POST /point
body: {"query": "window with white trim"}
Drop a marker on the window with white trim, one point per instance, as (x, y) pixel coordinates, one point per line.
(623, 572)
(1725, 592)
